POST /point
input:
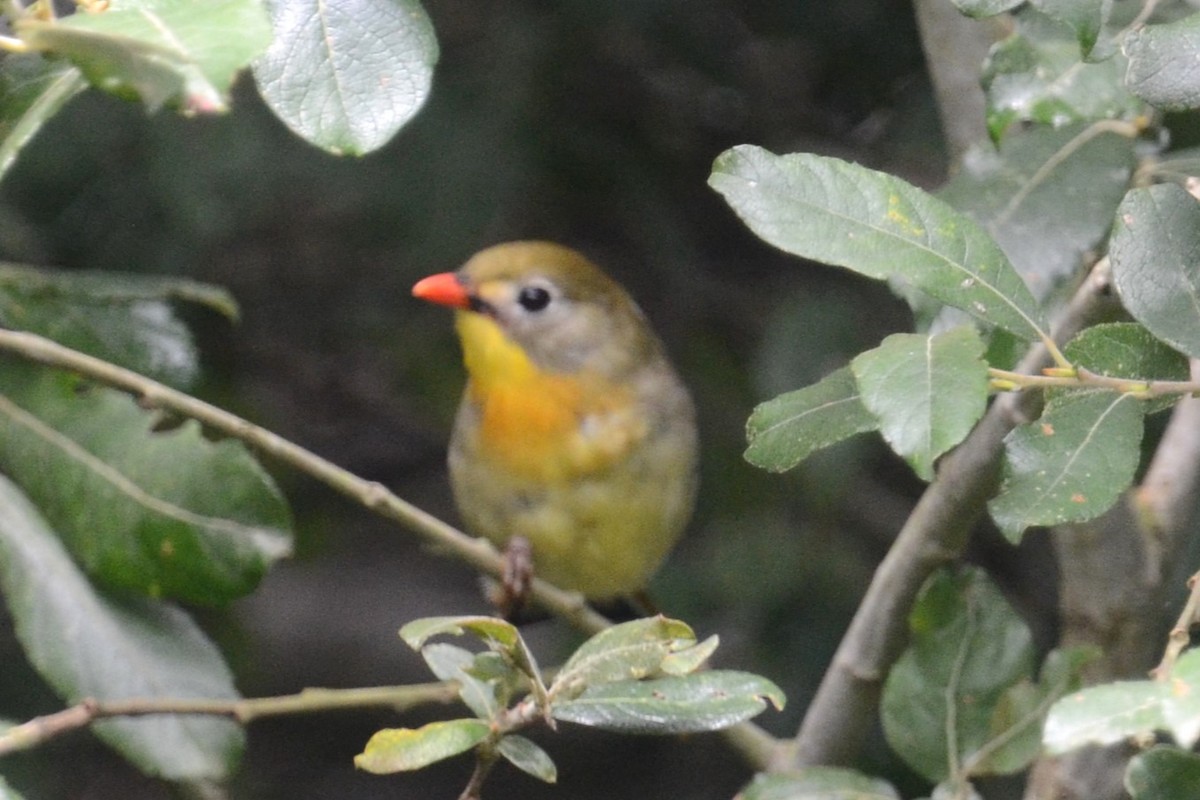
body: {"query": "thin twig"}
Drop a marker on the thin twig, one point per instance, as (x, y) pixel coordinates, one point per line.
(1085, 378)
(478, 553)
(1180, 634)
(39, 730)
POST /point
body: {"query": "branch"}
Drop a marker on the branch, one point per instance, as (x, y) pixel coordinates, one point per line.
(755, 745)
(1165, 501)
(478, 553)
(935, 533)
(39, 730)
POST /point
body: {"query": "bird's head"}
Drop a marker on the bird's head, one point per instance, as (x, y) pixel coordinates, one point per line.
(543, 302)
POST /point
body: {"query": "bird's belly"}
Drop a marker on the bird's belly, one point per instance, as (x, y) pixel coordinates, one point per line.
(601, 532)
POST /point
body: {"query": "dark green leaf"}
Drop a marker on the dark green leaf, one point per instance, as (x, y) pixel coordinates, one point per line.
(528, 757)
(1020, 713)
(32, 91)
(86, 644)
(705, 701)
(1036, 76)
(629, 651)
(163, 51)
(817, 783)
(1047, 197)
(125, 319)
(1071, 464)
(875, 224)
(347, 74)
(927, 391)
(167, 513)
(1127, 350)
(968, 647)
(1164, 63)
(1163, 773)
(1085, 17)
(1154, 264)
(788, 429)
(1104, 714)
(405, 749)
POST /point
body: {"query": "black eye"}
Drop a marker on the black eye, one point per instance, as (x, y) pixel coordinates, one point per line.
(533, 298)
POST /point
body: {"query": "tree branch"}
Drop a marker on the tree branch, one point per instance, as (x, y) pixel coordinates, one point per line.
(478, 553)
(935, 533)
(39, 730)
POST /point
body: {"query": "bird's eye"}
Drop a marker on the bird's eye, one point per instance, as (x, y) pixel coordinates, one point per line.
(533, 298)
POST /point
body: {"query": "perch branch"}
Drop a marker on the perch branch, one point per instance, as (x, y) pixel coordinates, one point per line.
(478, 553)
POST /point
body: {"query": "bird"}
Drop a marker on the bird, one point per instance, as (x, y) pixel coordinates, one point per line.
(575, 442)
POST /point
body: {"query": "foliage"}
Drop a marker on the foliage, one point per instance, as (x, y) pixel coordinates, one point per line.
(112, 512)
(1074, 101)
(152, 510)
(637, 677)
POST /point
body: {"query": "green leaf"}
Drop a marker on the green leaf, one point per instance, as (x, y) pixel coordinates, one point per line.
(788, 429)
(1181, 704)
(1019, 715)
(167, 513)
(689, 659)
(705, 701)
(1128, 350)
(1046, 195)
(968, 647)
(347, 74)
(1104, 714)
(1163, 773)
(32, 91)
(631, 650)
(1071, 464)
(1085, 17)
(927, 391)
(1163, 66)
(121, 318)
(1036, 76)
(877, 225)
(817, 783)
(450, 663)
(986, 8)
(528, 757)
(407, 749)
(86, 644)
(162, 51)
(1157, 275)
(499, 635)
(490, 629)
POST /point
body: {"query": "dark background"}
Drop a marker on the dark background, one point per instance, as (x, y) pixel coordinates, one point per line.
(594, 124)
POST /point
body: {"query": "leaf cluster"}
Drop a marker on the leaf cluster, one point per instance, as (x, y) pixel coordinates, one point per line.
(641, 677)
(1076, 181)
(114, 514)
